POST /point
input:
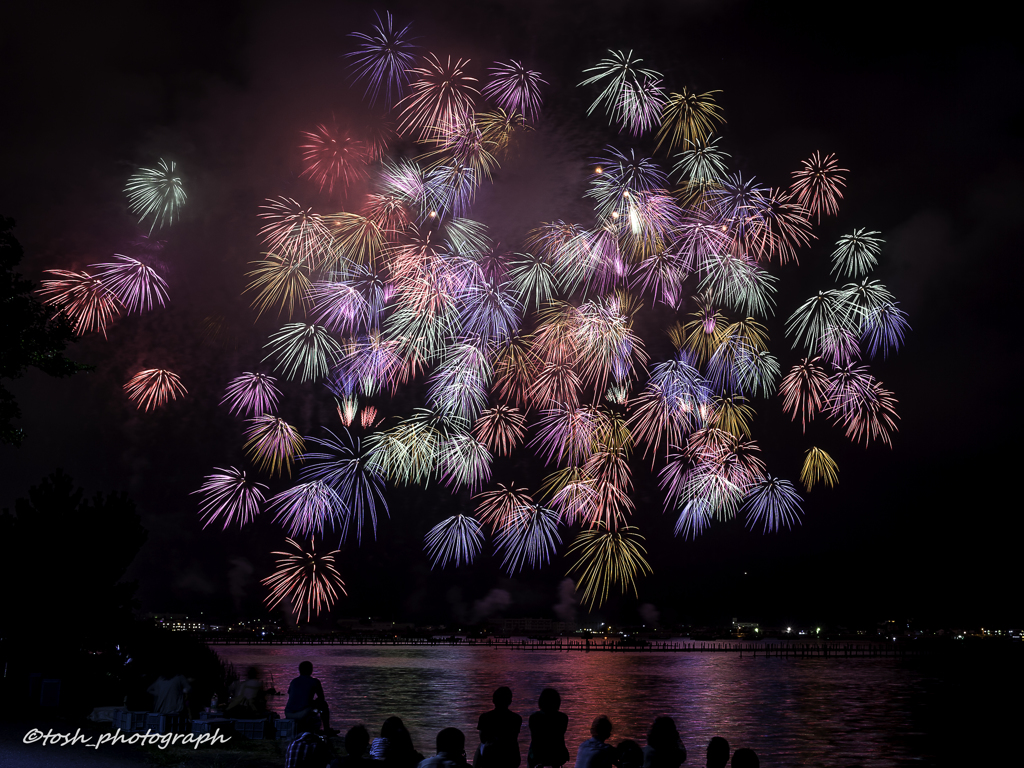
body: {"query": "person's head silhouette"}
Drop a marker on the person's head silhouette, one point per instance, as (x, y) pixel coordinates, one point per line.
(601, 728)
(502, 697)
(745, 758)
(452, 741)
(357, 740)
(549, 700)
(718, 753)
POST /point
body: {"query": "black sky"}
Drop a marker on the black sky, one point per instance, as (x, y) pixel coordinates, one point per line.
(923, 108)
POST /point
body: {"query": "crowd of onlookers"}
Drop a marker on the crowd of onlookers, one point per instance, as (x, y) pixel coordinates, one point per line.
(499, 739)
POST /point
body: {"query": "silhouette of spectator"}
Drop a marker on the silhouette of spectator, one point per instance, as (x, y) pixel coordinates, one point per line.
(247, 697)
(547, 733)
(499, 734)
(745, 758)
(394, 746)
(305, 699)
(357, 741)
(168, 692)
(451, 750)
(594, 753)
(664, 748)
(628, 754)
(718, 753)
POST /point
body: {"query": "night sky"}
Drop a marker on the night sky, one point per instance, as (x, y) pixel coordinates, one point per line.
(924, 109)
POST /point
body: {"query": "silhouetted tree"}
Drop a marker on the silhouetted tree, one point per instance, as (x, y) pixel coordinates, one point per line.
(30, 338)
(63, 557)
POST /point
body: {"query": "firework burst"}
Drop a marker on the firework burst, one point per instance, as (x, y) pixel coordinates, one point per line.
(515, 88)
(383, 59)
(688, 119)
(441, 96)
(818, 185)
(773, 503)
(608, 558)
(156, 192)
(457, 540)
(543, 347)
(307, 580)
(332, 158)
(135, 284)
(252, 394)
(231, 495)
(273, 443)
(154, 387)
(83, 298)
(818, 467)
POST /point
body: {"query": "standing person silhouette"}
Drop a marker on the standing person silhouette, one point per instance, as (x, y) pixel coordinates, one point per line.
(547, 732)
(499, 734)
(305, 699)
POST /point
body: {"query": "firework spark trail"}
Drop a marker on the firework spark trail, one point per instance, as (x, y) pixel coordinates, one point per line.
(156, 192)
(231, 495)
(857, 253)
(773, 503)
(626, 86)
(86, 301)
(688, 119)
(307, 580)
(310, 508)
(818, 185)
(607, 558)
(295, 232)
(154, 387)
(805, 391)
(333, 158)
(818, 467)
(273, 443)
(135, 284)
(307, 347)
(515, 88)
(457, 540)
(532, 539)
(252, 394)
(383, 59)
(440, 96)
(345, 468)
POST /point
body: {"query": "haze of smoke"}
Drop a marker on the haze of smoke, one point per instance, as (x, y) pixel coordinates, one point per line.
(649, 614)
(238, 578)
(454, 598)
(194, 579)
(565, 609)
(495, 601)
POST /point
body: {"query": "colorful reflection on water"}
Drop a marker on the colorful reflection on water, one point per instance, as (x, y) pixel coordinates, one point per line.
(790, 711)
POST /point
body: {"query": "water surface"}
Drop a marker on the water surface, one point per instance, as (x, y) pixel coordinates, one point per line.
(809, 712)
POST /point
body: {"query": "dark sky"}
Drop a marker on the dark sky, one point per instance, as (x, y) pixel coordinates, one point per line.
(923, 108)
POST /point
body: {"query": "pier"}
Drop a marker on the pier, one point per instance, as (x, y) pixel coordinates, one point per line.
(783, 649)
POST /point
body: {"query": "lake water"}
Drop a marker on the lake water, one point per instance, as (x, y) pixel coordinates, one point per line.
(806, 712)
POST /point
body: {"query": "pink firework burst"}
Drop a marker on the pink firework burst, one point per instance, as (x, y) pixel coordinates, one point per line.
(331, 157)
(83, 298)
(817, 185)
(153, 387)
